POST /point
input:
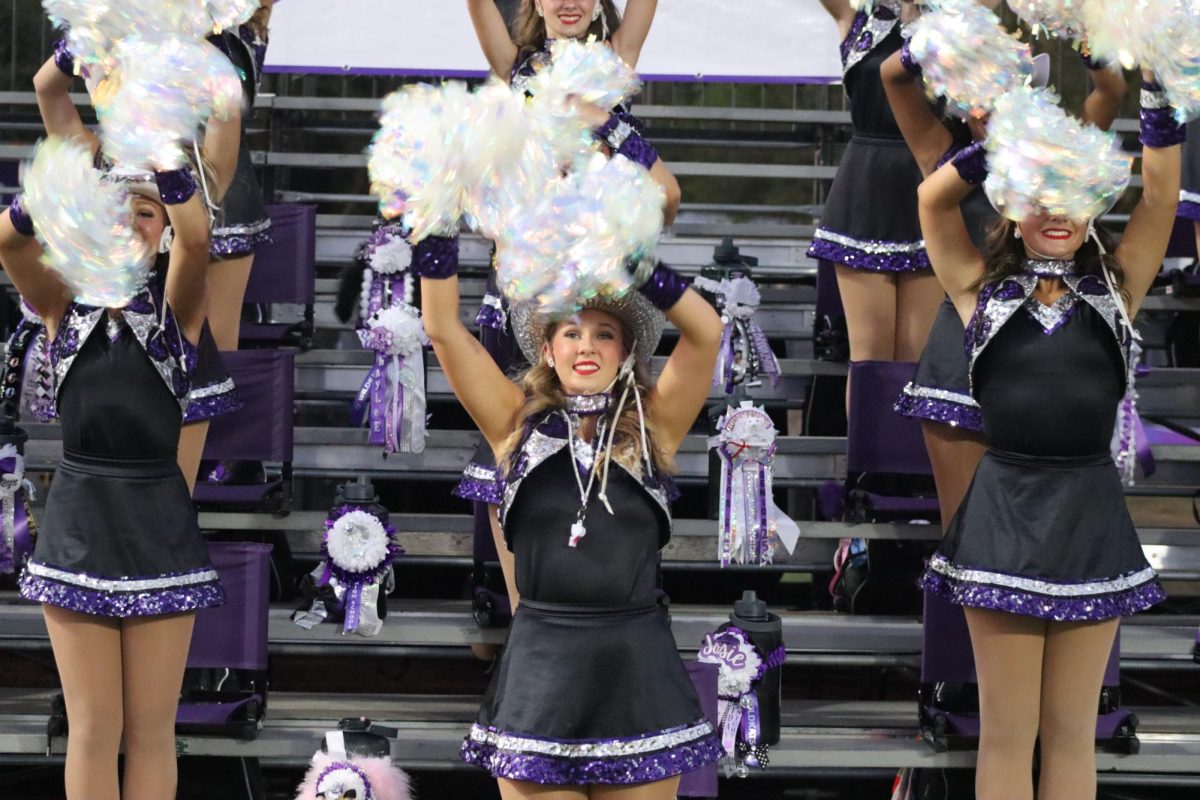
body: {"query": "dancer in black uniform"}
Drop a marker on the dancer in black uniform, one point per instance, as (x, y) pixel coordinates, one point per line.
(590, 689)
(939, 394)
(120, 564)
(1042, 553)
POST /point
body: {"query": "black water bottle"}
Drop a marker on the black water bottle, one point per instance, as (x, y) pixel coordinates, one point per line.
(766, 633)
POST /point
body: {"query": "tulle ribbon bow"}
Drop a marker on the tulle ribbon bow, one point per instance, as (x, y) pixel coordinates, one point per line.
(745, 353)
(16, 537)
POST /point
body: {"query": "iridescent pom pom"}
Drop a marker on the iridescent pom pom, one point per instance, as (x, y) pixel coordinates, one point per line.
(591, 72)
(1062, 18)
(1042, 159)
(1163, 35)
(169, 87)
(230, 13)
(85, 225)
(967, 56)
(91, 30)
(863, 5)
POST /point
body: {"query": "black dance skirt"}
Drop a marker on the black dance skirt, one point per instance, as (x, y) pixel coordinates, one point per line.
(585, 695)
(941, 389)
(242, 226)
(119, 538)
(212, 393)
(870, 220)
(1044, 537)
(1189, 193)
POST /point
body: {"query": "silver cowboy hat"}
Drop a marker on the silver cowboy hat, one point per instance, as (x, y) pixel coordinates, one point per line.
(646, 322)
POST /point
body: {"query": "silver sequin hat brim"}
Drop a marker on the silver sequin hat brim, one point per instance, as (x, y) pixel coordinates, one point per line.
(647, 323)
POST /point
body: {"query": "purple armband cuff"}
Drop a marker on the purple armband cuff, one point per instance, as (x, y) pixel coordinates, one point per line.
(639, 151)
(971, 163)
(909, 61)
(20, 220)
(63, 58)
(1159, 125)
(175, 186)
(623, 137)
(662, 287)
(435, 257)
(1092, 62)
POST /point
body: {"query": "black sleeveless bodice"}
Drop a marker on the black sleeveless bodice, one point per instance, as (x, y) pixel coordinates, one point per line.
(114, 403)
(616, 563)
(1051, 394)
(870, 111)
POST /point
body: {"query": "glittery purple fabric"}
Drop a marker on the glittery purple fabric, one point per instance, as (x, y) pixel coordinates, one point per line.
(1160, 128)
(639, 151)
(950, 153)
(910, 63)
(63, 58)
(240, 244)
(480, 490)
(435, 257)
(856, 258)
(121, 604)
(1058, 609)
(490, 317)
(947, 412)
(851, 41)
(621, 770)
(971, 163)
(213, 406)
(21, 222)
(1189, 210)
(664, 287)
(175, 186)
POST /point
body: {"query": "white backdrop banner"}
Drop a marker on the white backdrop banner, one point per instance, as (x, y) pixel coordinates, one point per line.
(772, 41)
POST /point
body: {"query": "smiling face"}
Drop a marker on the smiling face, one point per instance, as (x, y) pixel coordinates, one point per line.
(1052, 236)
(566, 19)
(587, 351)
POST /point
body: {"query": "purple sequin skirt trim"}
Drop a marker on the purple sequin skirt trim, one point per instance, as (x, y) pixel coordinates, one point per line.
(865, 256)
(235, 245)
(216, 405)
(1032, 604)
(917, 405)
(480, 490)
(580, 771)
(98, 602)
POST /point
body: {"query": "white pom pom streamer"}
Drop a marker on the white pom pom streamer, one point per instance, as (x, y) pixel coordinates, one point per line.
(85, 225)
(169, 87)
(967, 56)
(358, 542)
(1062, 18)
(230, 13)
(401, 326)
(1042, 159)
(392, 256)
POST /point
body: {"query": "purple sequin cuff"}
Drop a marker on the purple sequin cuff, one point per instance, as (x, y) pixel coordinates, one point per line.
(1030, 604)
(491, 315)
(941, 410)
(1159, 126)
(971, 163)
(435, 257)
(210, 406)
(175, 186)
(664, 287)
(1189, 209)
(63, 58)
(171, 600)
(908, 61)
(638, 150)
(21, 222)
(579, 771)
(478, 486)
(240, 244)
(873, 256)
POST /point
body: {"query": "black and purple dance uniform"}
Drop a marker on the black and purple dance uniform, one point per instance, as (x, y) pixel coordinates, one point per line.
(1189, 192)
(119, 536)
(242, 226)
(1044, 530)
(870, 220)
(590, 688)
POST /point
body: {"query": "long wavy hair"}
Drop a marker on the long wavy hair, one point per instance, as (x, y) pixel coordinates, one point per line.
(1004, 255)
(529, 30)
(544, 392)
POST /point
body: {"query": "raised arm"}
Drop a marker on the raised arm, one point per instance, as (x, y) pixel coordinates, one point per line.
(631, 35)
(187, 269)
(21, 257)
(842, 13)
(485, 392)
(925, 135)
(957, 263)
(52, 84)
(498, 47)
(1103, 103)
(683, 386)
(1148, 232)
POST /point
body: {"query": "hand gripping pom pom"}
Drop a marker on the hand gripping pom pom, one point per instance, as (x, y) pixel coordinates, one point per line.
(967, 57)
(1040, 158)
(169, 88)
(1061, 18)
(85, 225)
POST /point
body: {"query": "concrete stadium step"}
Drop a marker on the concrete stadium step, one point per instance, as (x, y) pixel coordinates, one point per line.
(816, 735)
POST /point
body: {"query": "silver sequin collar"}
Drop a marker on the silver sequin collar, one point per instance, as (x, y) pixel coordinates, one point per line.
(588, 405)
(1049, 267)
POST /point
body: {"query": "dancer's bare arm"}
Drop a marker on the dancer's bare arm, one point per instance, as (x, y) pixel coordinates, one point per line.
(498, 47)
(682, 388)
(630, 37)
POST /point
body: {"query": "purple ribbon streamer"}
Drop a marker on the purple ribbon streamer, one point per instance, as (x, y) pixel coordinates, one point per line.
(1145, 455)
(10, 560)
(353, 606)
(751, 725)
